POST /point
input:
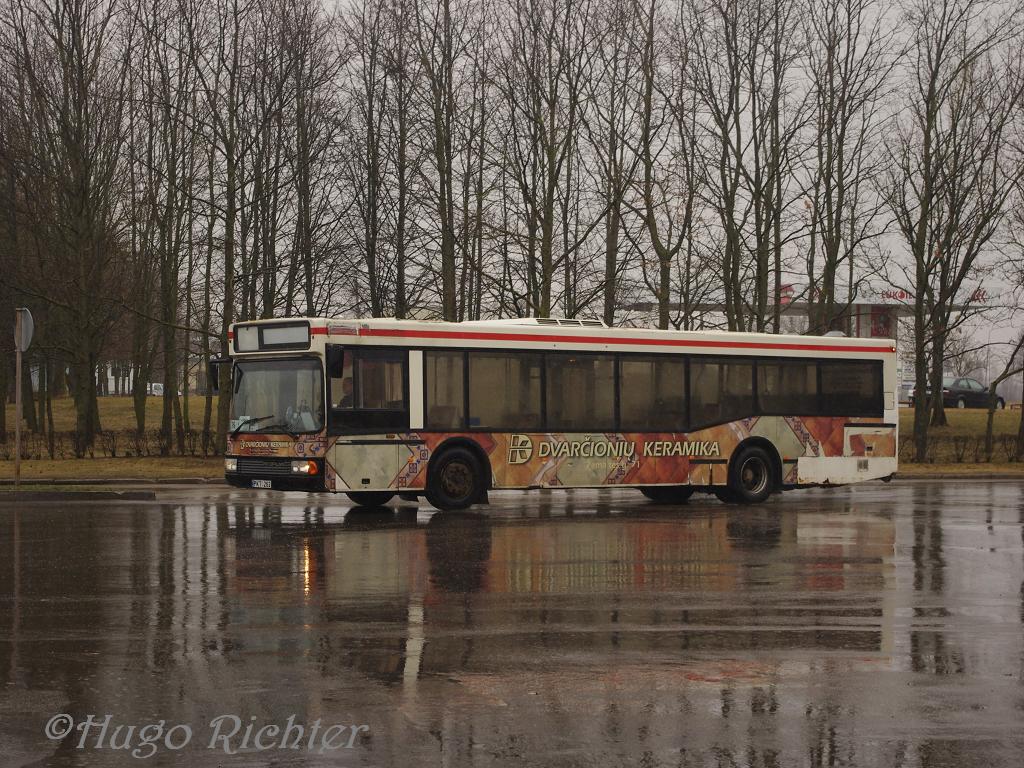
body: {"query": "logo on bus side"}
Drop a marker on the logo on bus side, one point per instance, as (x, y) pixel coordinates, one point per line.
(520, 449)
(666, 448)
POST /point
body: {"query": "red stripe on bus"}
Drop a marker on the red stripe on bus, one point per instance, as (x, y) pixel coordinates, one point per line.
(485, 336)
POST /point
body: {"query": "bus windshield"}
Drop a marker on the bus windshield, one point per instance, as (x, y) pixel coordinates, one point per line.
(278, 396)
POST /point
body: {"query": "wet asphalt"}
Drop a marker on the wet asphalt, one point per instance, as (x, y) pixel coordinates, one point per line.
(879, 625)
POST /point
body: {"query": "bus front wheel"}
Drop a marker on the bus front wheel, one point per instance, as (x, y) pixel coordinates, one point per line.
(455, 480)
(751, 476)
(370, 498)
(671, 494)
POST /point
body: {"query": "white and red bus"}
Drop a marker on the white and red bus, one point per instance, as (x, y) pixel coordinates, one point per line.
(449, 411)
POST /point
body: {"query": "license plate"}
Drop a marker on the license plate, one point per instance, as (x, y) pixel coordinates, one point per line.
(262, 484)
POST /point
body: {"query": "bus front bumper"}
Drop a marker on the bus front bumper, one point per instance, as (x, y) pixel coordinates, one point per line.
(274, 473)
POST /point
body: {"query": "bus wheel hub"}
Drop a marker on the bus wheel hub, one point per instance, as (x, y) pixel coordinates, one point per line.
(753, 475)
(457, 479)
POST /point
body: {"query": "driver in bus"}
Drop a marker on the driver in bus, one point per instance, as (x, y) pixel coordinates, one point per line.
(346, 393)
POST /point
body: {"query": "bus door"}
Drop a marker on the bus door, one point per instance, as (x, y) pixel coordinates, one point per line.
(368, 415)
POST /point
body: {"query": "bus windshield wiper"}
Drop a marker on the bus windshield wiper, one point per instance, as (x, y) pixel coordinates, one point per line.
(283, 428)
(248, 422)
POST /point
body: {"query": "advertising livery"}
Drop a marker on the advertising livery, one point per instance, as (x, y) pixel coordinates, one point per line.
(374, 408)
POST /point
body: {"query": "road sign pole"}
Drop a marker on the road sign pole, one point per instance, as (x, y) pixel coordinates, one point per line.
(17, 401)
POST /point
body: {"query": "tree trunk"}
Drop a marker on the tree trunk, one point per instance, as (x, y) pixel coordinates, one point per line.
(43, 394)
(1020, 434)
(989, 419)
(207, 319)
(51, 447)
(4, 386)
(28, 402)
(224, 400)
(611, 263)
(83, 391)
(169, 380)
(938, 416)
(139, 386)
(921, 405)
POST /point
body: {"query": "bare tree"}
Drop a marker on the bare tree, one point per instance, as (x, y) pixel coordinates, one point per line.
(544, 44)
(950, 171)
(1013, 366)
(442, 36)
(73, 57)
(743, 56)
(850, 60)
(216, 44)
(169, 159)
(403, 71)
(365, 30)
(667, 153)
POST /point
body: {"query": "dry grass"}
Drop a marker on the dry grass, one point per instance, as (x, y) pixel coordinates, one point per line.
(63, 488)
(908, 470)
(968, 422)
(961, 443)
(170, 467)
(117, 412)
(958, 445)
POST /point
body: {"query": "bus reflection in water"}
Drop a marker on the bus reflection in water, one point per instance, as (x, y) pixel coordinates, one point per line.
(451, 589)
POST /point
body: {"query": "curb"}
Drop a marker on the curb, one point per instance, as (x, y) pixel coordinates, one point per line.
(50, 496)
(973, 476)
(116, 481)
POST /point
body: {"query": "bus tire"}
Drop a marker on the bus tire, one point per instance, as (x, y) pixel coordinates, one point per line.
(454, 479)
(668, 494)
(370, 498)
(751, 475)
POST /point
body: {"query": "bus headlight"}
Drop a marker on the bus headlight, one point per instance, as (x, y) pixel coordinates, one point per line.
(230, 465)
(304, 467)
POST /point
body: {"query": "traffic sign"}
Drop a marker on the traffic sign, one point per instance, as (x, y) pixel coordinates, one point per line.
(23, 329)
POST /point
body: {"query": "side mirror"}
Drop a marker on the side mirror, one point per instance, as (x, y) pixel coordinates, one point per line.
(213, 372)
(335, 360)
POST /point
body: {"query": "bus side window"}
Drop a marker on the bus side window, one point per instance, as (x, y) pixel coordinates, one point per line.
(721, 390)
(444, 373)
(504, 390)
(368, 391)
(851, 388)
(342, 383)
(580, 392)
(381, 385)
(652, 396)
(787, 387)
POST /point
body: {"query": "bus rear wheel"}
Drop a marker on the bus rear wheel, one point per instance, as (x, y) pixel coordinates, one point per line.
(455, 480)
(668, 494)
(370, 498)
(751, 476)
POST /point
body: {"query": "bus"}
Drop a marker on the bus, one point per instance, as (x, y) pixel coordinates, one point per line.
(451, 411)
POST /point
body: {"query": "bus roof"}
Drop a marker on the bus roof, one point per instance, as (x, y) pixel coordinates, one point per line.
(554, 333)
